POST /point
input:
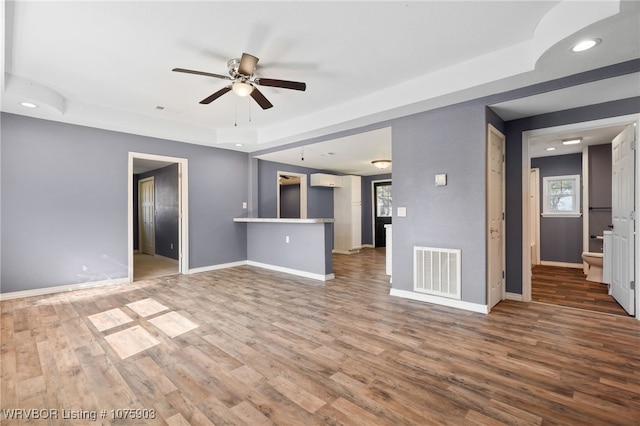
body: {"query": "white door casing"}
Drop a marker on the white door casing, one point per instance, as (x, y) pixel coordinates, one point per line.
(146, 188)
(623, 253)
(495, 216)
(534, 208)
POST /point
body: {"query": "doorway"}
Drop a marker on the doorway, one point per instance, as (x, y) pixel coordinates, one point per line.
(382, 211)
(527, 237)
(291, 198)
(156, 262)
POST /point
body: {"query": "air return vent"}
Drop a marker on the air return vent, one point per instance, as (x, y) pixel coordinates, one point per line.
(436, 271)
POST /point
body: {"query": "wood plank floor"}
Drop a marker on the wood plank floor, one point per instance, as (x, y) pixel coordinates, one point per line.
(568, 287)
(247, 346)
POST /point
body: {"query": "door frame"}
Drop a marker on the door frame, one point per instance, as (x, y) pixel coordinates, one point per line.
(140, 214)
(492, 130)
(374, 207)
(534, 208)
(183, 207)
(526, 161)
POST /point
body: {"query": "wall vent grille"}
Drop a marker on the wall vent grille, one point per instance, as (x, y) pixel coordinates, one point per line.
(436, 271)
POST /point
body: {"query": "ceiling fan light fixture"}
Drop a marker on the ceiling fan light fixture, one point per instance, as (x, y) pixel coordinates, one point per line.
(242, 88)
(381, 164)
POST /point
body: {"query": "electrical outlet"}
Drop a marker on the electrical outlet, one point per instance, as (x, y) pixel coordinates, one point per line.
(244, 205)
(286, 239)
(171, 246)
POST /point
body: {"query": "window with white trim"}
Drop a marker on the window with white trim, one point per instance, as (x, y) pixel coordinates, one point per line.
(561, 196)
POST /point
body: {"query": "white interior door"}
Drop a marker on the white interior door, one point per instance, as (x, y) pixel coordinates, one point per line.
(495, 221)
(623, 253)
(147, 216)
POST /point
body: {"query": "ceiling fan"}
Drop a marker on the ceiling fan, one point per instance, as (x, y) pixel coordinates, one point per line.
(244, 82)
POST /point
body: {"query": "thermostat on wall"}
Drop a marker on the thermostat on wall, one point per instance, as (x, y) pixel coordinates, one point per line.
(441, 179)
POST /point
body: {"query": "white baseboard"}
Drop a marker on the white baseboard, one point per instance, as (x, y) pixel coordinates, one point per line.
(467, 306)
(304, 274)
(368, 246)
(61, 289)
(352, 251)
(216, 267)
(561, 264)
(514, 296)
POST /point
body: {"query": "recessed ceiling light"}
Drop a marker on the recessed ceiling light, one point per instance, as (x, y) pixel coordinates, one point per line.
(551, 148)
(574, 141)
(28, 104)
(239, 145)
(585, 45)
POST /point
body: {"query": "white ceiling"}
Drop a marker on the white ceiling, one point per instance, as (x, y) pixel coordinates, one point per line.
(108, 64)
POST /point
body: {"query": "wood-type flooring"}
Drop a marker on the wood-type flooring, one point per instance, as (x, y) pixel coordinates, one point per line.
(248, 346)
(568, 287)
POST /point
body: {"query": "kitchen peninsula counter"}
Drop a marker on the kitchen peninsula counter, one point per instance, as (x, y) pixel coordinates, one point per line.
(295, 246)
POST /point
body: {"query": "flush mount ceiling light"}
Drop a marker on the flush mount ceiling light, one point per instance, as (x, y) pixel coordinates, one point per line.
(585, 45)
(551, 148)
(573, 141)
(381, 164)
(28, 105)
(241, 88)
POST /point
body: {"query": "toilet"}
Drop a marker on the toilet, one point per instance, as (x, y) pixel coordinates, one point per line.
(595, 262)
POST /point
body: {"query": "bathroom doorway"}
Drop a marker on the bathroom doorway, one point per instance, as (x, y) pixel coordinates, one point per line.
(559, 276)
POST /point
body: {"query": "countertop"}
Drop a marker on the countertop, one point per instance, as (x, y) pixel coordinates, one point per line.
(276, 220)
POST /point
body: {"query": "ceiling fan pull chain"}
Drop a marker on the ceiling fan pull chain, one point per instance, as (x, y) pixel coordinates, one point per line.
(249, 110)
(235, 114)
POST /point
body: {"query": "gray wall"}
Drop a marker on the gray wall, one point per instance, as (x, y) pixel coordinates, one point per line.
(166, 208)
(319, 199)
(600, 186)
(448, 140)
(308, 249)
(64, 202)
(560, 237)
(290, 201)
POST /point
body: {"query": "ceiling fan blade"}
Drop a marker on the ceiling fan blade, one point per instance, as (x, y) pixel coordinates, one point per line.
(207, 74)
(260, 99)
(215, 96)
(247, 64)
(295, 85)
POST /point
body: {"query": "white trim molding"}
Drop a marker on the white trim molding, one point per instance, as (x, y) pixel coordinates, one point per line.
(217, 267)
(297, 272)
(452, 303)
(61, 289)
(561, 264)
(517, 297)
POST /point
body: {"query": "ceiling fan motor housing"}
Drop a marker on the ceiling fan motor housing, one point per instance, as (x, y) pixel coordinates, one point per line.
(233, 65)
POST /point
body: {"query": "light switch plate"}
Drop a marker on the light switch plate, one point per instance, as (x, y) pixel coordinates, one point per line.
(402, 212)
(441, 179)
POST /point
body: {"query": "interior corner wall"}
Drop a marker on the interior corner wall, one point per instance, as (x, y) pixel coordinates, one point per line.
(450, 140)
(64, 202)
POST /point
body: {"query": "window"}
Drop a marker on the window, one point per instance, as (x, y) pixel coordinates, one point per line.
(561, 196)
